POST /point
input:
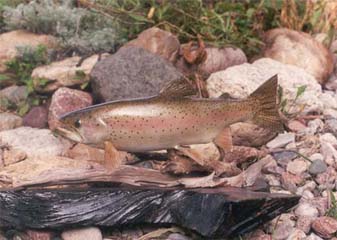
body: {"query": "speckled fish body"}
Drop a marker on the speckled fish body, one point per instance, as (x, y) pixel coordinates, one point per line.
(159, 122)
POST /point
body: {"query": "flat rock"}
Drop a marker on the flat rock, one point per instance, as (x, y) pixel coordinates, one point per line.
(9, 121)
(37, 117)
(92, 233)
(157, 41)
(216, 212)
(9, 42)
(281, 140)
(65, 73)
(65, 100)
(33, 142)
(299, 49)
(39, 165)
(130, 73)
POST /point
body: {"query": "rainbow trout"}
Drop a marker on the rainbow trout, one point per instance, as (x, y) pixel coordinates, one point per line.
(170, 119)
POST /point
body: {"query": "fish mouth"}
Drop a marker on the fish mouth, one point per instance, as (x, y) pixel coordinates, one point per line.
(69, 134)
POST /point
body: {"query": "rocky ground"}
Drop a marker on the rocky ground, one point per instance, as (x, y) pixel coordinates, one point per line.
(302, 160)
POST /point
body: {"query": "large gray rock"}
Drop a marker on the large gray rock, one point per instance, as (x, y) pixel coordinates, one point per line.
(130, 73)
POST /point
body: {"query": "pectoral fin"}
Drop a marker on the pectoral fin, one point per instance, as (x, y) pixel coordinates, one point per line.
(112, 158)
(224, 140)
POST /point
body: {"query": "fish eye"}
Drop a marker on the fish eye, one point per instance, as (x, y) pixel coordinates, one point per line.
(77, 123)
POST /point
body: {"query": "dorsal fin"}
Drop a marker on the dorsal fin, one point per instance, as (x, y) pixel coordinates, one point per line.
(178, 88)
(227, 96)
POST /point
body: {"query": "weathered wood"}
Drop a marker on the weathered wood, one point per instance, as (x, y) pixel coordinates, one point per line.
(210, 212)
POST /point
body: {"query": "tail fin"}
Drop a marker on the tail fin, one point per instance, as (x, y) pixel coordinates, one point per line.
(267, 114)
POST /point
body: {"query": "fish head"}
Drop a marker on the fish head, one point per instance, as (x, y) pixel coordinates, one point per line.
(82, 127)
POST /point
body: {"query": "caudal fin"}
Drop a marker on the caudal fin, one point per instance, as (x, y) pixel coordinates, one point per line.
(266, 114)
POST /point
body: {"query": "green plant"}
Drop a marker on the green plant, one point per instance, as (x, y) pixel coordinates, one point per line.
(286, 107)
(6, 3)
(332, 211)
(220, 23)
(22, 66)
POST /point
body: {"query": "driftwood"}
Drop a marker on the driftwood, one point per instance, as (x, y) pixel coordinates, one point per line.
(131, 175)
(215, 212)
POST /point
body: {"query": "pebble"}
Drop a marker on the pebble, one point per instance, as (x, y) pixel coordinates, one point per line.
(296, 126)
(328, 138)
(330, 113)
(316, 156)
(92, 233)
(304, 223)
(281, 140)
(272, 180)
(331, 126)
(177, 236)
(317, 166)
(325, 226)
(297, 234)
(307, 195)
(9, 121)
(313, 236)
(306, 209)
(283, 230)
(284, 157)
(39, 235)
(314, 126)
(329, 153)
(297, 166)
(310, 186)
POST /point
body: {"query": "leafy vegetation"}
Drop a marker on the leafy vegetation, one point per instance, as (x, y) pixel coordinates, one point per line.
(286, 107)
(22, 66)
(220, 23)
(78, 30)
(7, 3)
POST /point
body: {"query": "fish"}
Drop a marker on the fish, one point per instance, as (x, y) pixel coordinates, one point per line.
(175, 117)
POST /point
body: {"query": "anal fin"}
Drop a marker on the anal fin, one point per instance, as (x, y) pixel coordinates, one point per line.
(224, 140)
